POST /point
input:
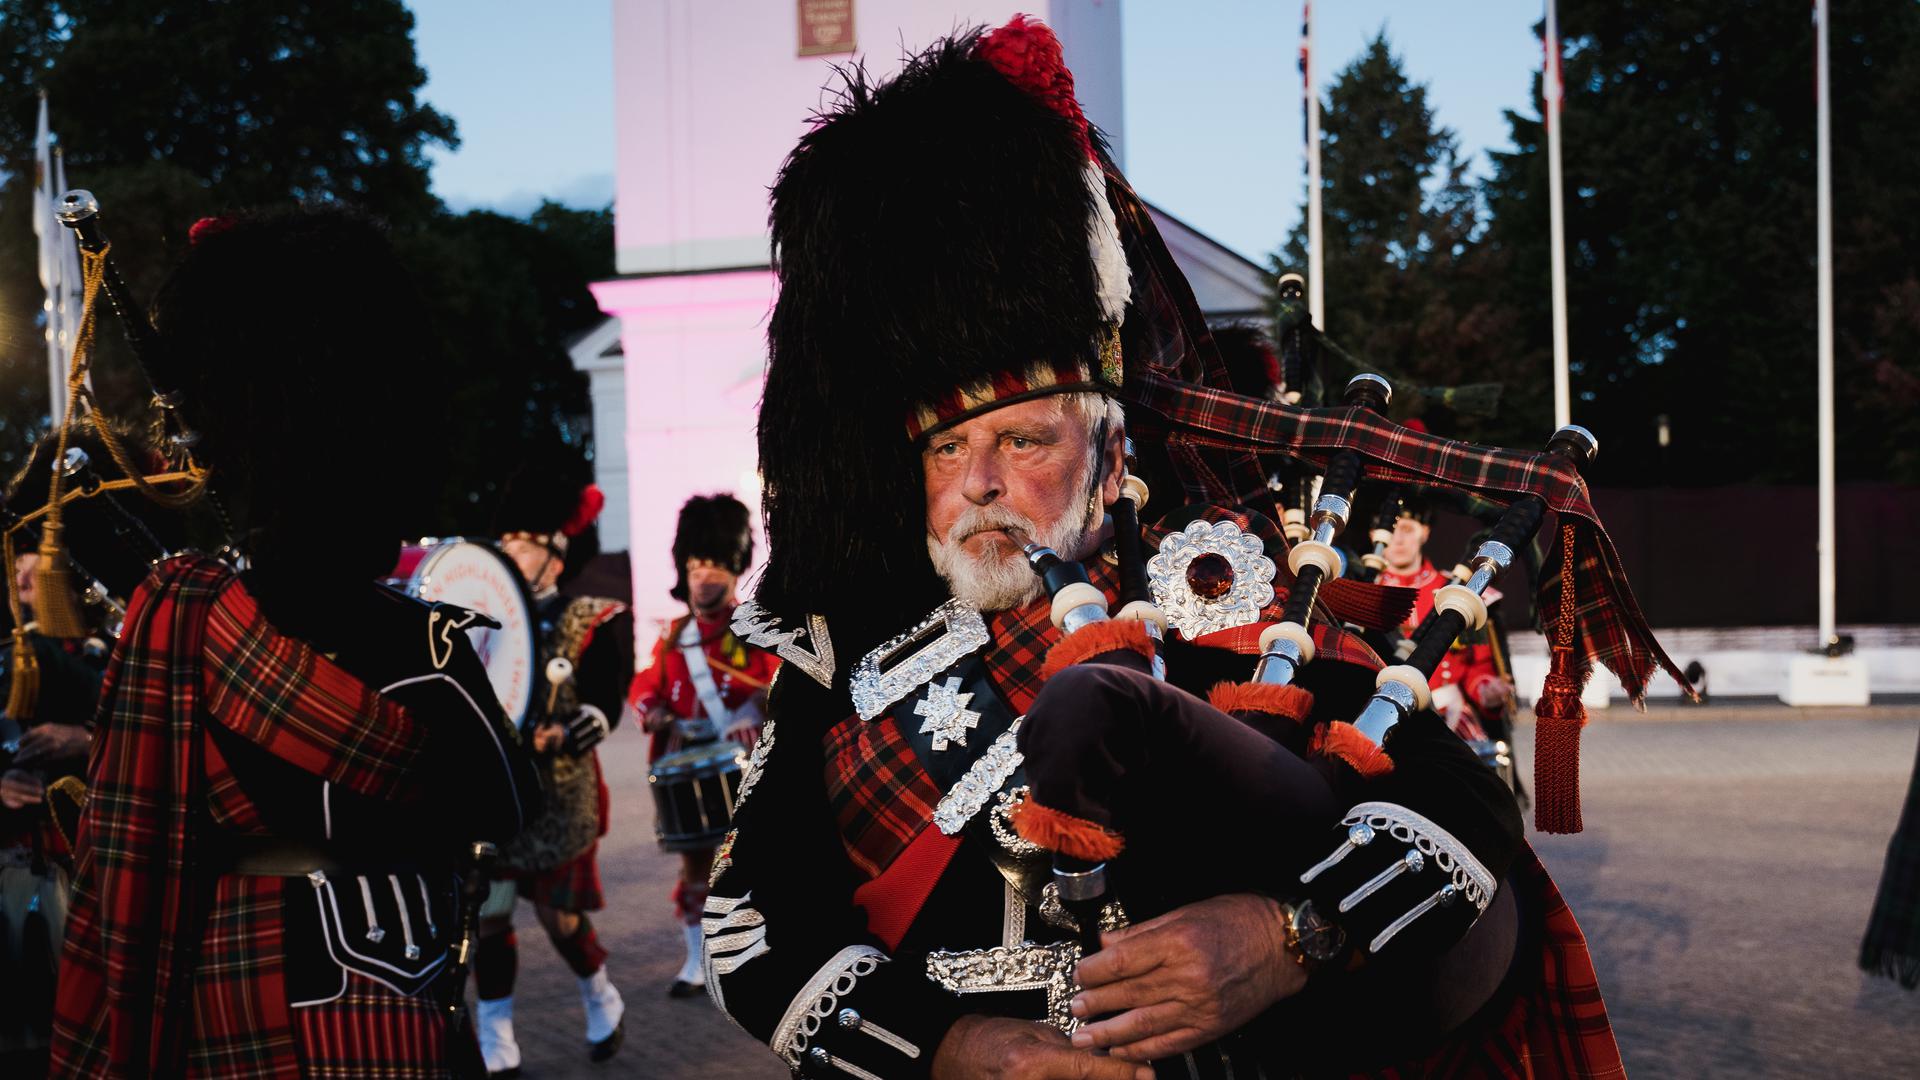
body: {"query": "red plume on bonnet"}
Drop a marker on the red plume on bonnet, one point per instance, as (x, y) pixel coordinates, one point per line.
(210, 226)
(1029, 56)
(592, 501)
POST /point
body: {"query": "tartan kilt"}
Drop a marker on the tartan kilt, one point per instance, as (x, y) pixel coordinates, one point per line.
(572, 886)
(371, 1032)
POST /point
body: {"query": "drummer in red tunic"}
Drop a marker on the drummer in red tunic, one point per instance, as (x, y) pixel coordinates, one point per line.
(1467, 686)
(546, 527)
(703, 684)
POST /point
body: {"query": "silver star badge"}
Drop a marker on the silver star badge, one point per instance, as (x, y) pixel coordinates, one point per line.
(948, 718)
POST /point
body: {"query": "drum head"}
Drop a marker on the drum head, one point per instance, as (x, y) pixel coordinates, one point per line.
(476, 576)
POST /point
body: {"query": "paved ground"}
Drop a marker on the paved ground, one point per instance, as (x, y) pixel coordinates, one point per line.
(1724, 880)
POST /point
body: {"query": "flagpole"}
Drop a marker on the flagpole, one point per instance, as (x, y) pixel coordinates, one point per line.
(1824, 203)
(1316, 285)
(1556, 210)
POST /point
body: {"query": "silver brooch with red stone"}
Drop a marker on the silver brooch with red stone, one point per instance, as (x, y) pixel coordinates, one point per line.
(1211, 576)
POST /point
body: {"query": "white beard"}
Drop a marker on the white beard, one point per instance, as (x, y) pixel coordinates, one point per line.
(999, 578)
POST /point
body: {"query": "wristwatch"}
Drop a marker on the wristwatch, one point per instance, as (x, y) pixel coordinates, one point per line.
(1312, 938)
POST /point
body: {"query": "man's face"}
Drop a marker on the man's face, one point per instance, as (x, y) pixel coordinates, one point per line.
(709, 585)
(1408, 542)
(1018, 473)
(538, 563)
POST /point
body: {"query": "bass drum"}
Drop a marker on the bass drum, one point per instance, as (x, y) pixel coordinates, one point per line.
(474, 575)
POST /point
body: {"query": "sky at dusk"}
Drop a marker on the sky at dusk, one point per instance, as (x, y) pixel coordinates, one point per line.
(1213, 119)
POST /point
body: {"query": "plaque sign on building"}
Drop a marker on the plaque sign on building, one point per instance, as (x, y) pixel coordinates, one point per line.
(826, 27)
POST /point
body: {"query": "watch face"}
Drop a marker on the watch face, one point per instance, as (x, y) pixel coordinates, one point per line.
(1318, 938)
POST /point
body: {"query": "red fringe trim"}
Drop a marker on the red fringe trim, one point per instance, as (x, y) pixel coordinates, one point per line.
(1090, 641)
(1376, 607)
(1343, 742)
(1291, 702)
(1558, 717)
(1057, 830)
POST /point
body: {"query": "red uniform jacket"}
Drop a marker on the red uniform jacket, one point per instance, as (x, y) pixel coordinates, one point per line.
(1467, 667)
(739, 672)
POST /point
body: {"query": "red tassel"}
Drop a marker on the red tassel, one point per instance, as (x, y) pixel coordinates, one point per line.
(1559, 715)
(1343, 742)
(1090, 641)
(1057, 830)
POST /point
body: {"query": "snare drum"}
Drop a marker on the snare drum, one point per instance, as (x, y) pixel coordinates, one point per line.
(474, 575)
(693, 794)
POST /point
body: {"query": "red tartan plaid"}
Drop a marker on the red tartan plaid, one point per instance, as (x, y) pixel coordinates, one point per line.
(371, 1031)
(574, 885)
(1558, 1028)
(1612, 628)
(881, 795)
(1021, 639)
(167, 968)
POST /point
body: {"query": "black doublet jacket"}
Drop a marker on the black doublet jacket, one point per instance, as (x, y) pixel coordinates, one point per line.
(872, 891)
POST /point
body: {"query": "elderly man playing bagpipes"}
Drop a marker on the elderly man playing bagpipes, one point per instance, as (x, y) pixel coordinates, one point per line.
(989, 829)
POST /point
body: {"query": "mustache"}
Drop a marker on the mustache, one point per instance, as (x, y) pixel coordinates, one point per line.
(978, 519)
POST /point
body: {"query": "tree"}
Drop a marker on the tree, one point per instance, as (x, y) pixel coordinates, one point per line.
(507, 296)
(1408, 290)
(170, 111)
(318, 102)
(1688, 146)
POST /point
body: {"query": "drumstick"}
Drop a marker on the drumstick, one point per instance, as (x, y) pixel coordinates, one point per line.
(742, 676)
(559, 670)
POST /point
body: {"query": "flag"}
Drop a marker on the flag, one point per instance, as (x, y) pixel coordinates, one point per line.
(1306, 71)
(42, 199)
(72, 291)
(1551, 91)
(54, 275)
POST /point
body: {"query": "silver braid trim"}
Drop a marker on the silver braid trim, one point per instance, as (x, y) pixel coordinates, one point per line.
(819, 1000)
(1470, 878)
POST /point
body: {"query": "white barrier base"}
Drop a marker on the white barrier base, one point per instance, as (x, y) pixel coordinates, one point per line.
(1826, 680)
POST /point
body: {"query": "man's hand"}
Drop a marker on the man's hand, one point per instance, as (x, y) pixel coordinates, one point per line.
(1492, 695)
(19, 788)
(51, 742)
(995, 1048)
(1185, 978)
(658, 718)
(547, 737)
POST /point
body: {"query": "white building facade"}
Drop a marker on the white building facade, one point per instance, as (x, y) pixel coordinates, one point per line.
(712, 94)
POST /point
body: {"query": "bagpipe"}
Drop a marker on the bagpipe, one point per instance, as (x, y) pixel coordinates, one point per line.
(86, 601)
(1422, 844)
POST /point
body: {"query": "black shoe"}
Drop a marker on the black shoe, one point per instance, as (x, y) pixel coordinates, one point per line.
(609, 1046)
(684, 989)
(506, 1074)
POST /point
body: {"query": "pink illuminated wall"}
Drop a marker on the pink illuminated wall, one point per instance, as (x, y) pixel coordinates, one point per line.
(711, 96)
